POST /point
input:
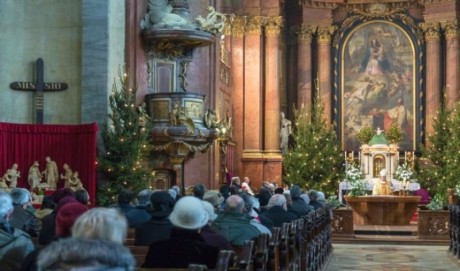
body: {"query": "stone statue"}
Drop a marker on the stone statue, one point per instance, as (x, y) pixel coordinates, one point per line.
(159, 16)
(11, 176)
(51, 172)
(285, 132)
(75, 182)
(214, 21)
(35, 177)
(68, 173)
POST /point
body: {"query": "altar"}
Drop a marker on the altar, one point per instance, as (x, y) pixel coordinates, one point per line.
(383, 210)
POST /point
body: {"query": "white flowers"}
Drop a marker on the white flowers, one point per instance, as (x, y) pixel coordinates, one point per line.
(353, 173)
(403, 173)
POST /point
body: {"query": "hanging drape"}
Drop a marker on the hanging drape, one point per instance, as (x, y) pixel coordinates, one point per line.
(72, 144)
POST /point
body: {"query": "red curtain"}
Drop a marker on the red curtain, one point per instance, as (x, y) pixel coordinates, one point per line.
(71, 144)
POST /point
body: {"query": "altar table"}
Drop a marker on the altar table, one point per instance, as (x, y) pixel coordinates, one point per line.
(383, 210)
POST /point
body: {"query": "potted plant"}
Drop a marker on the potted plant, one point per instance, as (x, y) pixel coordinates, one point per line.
(434, 222)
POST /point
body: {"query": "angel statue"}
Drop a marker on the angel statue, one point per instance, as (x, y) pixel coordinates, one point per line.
(160, 16)
(214, 21)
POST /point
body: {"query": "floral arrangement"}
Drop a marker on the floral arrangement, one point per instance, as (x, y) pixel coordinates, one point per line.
(355, 177)
(437, 203)
(403, 172)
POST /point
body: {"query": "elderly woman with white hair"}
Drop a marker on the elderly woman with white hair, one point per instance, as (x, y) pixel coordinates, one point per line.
(102, 224)
(277, 211)
(15, 244)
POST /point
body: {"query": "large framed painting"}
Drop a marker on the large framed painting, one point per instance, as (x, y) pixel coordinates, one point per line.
(378, 82)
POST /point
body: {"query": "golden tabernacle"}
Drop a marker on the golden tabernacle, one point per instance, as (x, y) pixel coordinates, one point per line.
(383, 210)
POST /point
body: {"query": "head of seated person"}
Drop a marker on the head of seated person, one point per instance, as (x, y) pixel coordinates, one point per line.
(101, 223)
(85, 255)
(277, 200)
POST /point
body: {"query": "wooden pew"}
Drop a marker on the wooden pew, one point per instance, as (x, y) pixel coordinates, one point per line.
(260, 258)
(273, 250)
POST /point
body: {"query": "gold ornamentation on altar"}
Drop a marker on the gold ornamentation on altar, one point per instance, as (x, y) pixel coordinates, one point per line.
(273, 25)
(254, 25)
(431, 31)
(238, 26)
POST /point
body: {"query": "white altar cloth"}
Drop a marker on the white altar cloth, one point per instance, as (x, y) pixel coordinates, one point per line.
(394, 185)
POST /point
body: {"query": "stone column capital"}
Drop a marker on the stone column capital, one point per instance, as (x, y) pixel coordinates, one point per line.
(238, 26)
(273, 25)
(305, 32)
(431, 30)
(325, 34)
(451, 30)
(254, 25)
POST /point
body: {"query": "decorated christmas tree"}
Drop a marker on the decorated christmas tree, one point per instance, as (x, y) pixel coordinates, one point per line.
(431, 167)
(313, 160)
(126, 141)
(452, 152)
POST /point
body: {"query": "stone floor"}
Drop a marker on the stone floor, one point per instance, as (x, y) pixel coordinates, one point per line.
(391, 257)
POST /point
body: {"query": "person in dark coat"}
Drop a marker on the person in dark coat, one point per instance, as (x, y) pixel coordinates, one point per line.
(158, 227)
(277, 211)
(265, 194)
(139, 214)
(22, 218)
(48, 230)
(233, 224)
(186, 245)
(299, 206)
(314, 196)
(124, 202)
(210, 236)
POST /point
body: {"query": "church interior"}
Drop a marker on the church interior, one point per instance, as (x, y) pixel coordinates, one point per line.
(338, 96)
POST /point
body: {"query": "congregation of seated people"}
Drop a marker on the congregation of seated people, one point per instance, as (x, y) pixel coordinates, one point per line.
(175, 230)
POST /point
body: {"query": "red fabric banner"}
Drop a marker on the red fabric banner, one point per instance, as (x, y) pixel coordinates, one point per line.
(74, 145)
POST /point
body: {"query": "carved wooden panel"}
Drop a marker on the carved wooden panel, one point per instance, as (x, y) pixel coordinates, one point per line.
(342, 222)
(433, 225)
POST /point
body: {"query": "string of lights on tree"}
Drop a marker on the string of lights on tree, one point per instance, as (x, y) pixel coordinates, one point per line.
(432, 170)
(313, 160)
(126, 140)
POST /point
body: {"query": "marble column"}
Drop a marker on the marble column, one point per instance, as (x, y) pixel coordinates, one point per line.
(324, 68)
(433, 68)
(272, 166)
(304, 64)
(253, 88)
(237, 64)
(452, 63)
(272, 85)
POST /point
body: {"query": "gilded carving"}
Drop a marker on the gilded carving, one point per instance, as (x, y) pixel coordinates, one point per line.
(238, 26)
(254, 25)
(325, 34)
(273, 25)
(450, 29)
(305, 32)
(227, 31)
(431, 31)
